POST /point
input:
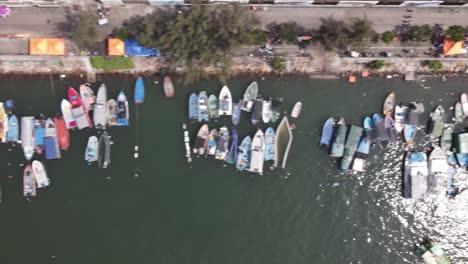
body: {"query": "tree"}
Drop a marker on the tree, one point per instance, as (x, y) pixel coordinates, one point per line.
(288, 31)
(278, 64)
(376, 64)
(387, 37)
(83, 29)
(361, 32)
(420, 33)
(333, 34)
(434, 65)
(257, 37)
(455, 33)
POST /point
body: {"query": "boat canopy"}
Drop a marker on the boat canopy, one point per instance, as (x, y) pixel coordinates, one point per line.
(416, 157)
(133, 48)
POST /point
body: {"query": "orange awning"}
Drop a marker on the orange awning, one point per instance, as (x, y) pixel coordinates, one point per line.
(42, 46)
(55, 47)
(116, 47)
(452, 47)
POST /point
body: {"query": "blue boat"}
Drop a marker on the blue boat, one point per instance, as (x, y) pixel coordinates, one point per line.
(327, 133)
(462, 159)
(203, 112)
(369, 128)
(409, 133)
(139, 93)
(363, 148)
(193, 107)
(243, 158)
(39, 130)
(382, 134)
(13, 129)
(270, 144)
(231, 157)
(236, 113)
(122, 109)
(9, 106)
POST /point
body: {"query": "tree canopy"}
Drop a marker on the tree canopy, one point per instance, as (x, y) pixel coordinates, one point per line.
(455, 33)
(83, 29)
(420, 33)
(335, 34)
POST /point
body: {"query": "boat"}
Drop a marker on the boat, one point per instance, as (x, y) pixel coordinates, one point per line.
(67, 114)
(296, 110)
(256, 112)
(213, 106)
(257, 153)
(231, 157)
(29, 182)
(202, 140)
(390, 127)
(446, 139)
(104, 157)
(464, 103)
(100, 108)
(3, 123)
(222, 148)
(462, 143)
(13, 129)
(327, 133)
(249, 96)
(462, 159)
(243, 158)
(82, 117)
(339, 138)
(400, 117)
(62, 133)
(351, 145)
(266, 111)
(74, 97)
(269, 144)
(40, 174)
(27, 136)
(415, 176)
(409, 133)
(389, 104)
(139, 92)
(436, 124)
(203, 112)
(168, 87)
(122, 109)
(363, 147)
(370, 129)
(382, 134)
(414, 112)
(276, 104)
(51, 145)
(111, 113)
(225, 102)
(212, 142)
(283, 142)
(193, 107)
(39, 134)
(236, 113)
(87, 97)
(458, 113)
(431, 253)
(438, 169)
(92, 150)
(9, 106)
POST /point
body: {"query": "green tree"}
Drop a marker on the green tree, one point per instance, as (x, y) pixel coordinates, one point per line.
(257, 37)
(420, 33)
(387, 37)
(278, 64)
(361, 32)
(455, 33)
(333, 34)
(83, 29)
(434, 65)
(376, 64)
(288, 31)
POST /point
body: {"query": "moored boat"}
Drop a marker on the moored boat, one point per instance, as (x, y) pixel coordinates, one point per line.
(256, 112)
(40, 174)
(213, 106)
(462, 159)
(243, 158)
(446, 139)
(390, 127)
(296, 110)
(222, 147)
(389, 104)
(236, 113)
(74, 97)
(27, 136)
(249, 96)
(270, 144)
(382, 134)
(139, 91)
(122, 110)
(415, 175)
(438, 169)
(66, 108)
(327, 133)
(111, 113)
(51, 145)
(409, 133)
(276, 104)
(81, 117)
(400, 117)
(362, 152)
(350, 148)
(87, 97)
(266, 111)
(104, 157)
(462, 142)
(257, 152)
(100, 108)
(225, 102)
(203, 112)
(13, 129)
(464, 103)
(431, 253)
(414, 112)
(193, 107)
(168, 87)
(9, 106)
(202, 140)
(39, 134)
(212, 142)
(92, 150)
(436, 125)
(370, 129)
(231, 157)
(283, 142)
(339, 139)
(29, 182)
(62, 133)
(3, 123)
(458, 113)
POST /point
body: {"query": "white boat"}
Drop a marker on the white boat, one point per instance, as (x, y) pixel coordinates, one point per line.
(464, 103)
(283, 141)
(100, 108)
(92, 150)
(415, 175)
(27, 136)
(266, 111)
(249, 96)
(67, 114)
(112, 113)
(438, 161)
(40, 174)
(3, 123)
(225, 101)
(257, 153)
(87, 97)
(400, 117)
(296, 110)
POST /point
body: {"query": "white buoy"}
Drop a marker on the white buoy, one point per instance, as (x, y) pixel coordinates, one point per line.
(136, 148)
(135, 155)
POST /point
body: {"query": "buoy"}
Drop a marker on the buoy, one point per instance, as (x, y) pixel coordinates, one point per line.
(135, 155)
(292, 126)
(352, 79)
(136, 148)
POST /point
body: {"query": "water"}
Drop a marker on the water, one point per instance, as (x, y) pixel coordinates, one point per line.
(204, 212)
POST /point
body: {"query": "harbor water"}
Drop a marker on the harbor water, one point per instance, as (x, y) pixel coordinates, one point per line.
(160, 209)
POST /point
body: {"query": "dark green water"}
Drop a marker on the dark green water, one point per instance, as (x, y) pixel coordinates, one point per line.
(202, 212)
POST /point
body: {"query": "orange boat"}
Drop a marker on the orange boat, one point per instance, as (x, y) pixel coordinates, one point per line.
(62, 133)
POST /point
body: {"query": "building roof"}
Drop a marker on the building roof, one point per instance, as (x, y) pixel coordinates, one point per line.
(452, 47)
(43, 46)
(115, 47)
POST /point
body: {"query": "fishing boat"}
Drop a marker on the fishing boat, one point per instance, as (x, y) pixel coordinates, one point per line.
(81, 117)
(193, 107)
(87, 97)
(256, 112)
(139, 92)
(296, 110)
(339, 139)
(13, 129)
(464, 103)
(203, 112)
(266, 111)
(213, 106)
(40, 174)
(112, 113)
(409, 133)
(390, 127)
(225, 102)
(436, 124)
(438, 169)
(202, 140)
(431, 253)
(39, 134)
(122, 109)
(362, 152)
(29, 182)
(389, 104)
(458, 113)
(231, 157)
(168, 87)
(243, 158)
(249, 96)
(27, 136)
(400, 117)
(236, 113)
(446, 139)
(382, 134)
(257, 153)
(276, 104)
(212, 142)
(269, 144)
(415, 175)
(283, 142)
(327, 133)
(351, 145)
(74, 97)
(222, 147)
(100, 108)
(3, 123)
(51, 145)
(104, 157)
(462, 142)
(67, 114)
(62, 133)
(92, 150)
(370, 129)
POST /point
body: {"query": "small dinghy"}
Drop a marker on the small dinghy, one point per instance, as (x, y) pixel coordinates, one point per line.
(51, 145)
(409, 133)
(9, 106)
(87, 97)
(389, 104)
(270, 144)
(257, 153)
(446, 139)
(464, 103)
(236, 113)
(100, 108)
(213, 106)
(139, 92)
(362, 152)
(249, 96)
(62, 133)
(231, 157)
(3, 123)
(415, 176)
(92, 150)
(29, 182)
(370, 129)
(225, 102)
(104, 157)
(390, 127)
(202, 140)
(436, 124)
(339, 139)
(243, 158)
(67, 114)
(203, 112)
(458, 113)
(212, 142)
(222, 147)
(382, 134)
(193, 107)
(39, 134)
(40, 174)
(256, 112)
(276, 104)
(351, 145)
(327, 133)
(122, 109)
(296, 110)
(400, 117)
(168, 87)
(266, 111)
(283, 142)
(112, 113)
(13, 129)
(74, 97)
(27, 136)
(438, 161)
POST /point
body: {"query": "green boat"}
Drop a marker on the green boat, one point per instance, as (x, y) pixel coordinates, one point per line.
(352, 142)
(462, 143)
(339, 139)
(446, 139)
(431, 253)
(458, 112)
(213, 106)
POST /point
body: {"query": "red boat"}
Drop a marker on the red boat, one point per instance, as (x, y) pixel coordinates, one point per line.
(74, 97)
(62, 133)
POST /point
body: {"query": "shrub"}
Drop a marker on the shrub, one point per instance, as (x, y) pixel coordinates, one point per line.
(376, 64)
(257, 37)
(434, 65)
(387, 37)
(111, 63)
(455, 33)
(278, 64)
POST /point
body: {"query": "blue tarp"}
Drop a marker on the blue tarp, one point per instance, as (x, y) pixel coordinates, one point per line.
(133, 48)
